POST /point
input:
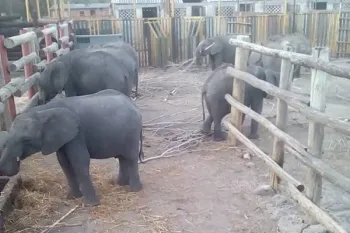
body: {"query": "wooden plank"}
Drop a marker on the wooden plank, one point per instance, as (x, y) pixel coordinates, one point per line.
(316, 130)
(282, 114)
(241, 61)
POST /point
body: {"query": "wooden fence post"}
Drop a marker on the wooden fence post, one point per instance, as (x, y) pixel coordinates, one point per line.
(28, 68)
(241, 61)
(282, 114)
(316, 130)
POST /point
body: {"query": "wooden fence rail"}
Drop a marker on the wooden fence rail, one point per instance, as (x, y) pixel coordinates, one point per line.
(309, 155)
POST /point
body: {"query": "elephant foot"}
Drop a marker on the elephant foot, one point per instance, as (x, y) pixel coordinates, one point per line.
(92, 202)
(205, 129)
(219, 136)
(74, 195)
(135, 187)
(122, 181)
(253, 136)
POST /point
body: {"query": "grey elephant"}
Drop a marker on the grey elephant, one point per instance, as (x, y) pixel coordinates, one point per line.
(219, 50)
(102, 125)
(125, 51)
(299, 41)
(83, 72)
(214, 89)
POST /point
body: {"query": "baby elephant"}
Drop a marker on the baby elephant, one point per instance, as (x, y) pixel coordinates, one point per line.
(102, 125)
(216, 86)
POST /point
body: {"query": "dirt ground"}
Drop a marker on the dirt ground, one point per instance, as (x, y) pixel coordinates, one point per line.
(204, 187)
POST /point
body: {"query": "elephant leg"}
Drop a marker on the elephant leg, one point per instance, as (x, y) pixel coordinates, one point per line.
(219, 135)
(257, 106)
(206, 127)
(137, 84)
(123, 176)
(135, 184)
(74, 191)
(79, 158)
(217, 60)
(212, 62)
(220, 109)
(296, 71)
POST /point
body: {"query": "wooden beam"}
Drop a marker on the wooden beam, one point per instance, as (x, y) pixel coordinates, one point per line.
(9, 89)
(14, 41)
(292, 101)
(282, 115)
(27, 84)
(318, 214)
(316, 130)
(297, 149)
(296, 58)
(256, 150)
(241, 61)
(19, 64)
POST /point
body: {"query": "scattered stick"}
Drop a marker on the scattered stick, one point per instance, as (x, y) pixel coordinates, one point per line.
(58, 225)
(60, 220)
(171, 150)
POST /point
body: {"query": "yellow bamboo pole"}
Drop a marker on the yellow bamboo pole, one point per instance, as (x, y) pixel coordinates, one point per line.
(134, 7)
(285, 16)
(38, 8)
(48, 8)
(219, 17)
(69, 8)
(62, 8)
(27, 10)
(56, 8)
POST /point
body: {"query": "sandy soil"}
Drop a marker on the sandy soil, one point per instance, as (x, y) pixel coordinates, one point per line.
(205, 187)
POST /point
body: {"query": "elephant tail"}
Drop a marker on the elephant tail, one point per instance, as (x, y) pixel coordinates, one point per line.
(141, 154)
(203, 93)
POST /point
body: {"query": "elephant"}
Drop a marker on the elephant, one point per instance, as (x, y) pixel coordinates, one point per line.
(214, 89)
(83, 72)
(299, 41)
(219, 50)
(127, 51)
(106, 124)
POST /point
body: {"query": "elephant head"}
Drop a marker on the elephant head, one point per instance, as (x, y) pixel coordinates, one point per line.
(33, 131)
(255, 57)
(52, 81)
(208, 47)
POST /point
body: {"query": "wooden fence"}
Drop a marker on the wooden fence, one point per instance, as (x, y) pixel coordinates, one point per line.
(31, 59)
(158, 40)
(310, 155)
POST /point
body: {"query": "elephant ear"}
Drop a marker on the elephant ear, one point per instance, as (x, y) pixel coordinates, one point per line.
(59, 126)
(215, 47)
(254, 58)
(54, 76)
(3, 138)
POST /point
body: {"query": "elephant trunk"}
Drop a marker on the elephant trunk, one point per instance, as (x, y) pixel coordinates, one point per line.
(10, 161)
